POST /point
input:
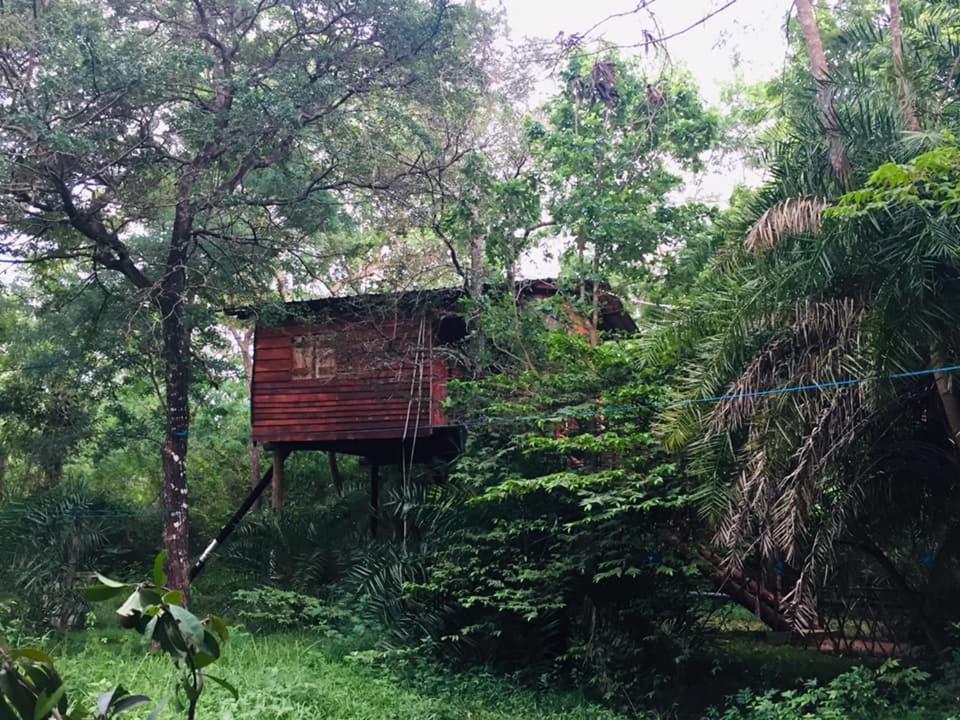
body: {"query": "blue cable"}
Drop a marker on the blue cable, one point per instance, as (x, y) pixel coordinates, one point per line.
(833, 384)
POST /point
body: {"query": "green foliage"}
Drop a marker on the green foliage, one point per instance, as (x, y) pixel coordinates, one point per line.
(890, 691)
(49, 541)
(298, 675)
(157, 613)
(270, 608)
(812, 285)
(568, 533)
(31, 689)
(609, 157)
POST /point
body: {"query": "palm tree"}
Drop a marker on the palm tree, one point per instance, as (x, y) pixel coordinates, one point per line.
(800, 295)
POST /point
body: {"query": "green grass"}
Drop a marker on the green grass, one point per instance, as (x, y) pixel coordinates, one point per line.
(298, 676)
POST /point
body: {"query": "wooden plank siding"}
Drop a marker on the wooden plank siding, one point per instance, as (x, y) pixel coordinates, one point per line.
(347, 380)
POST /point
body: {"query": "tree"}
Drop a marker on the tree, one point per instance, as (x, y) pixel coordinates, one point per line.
(813, 286)
(607, 153)
(184, 146)
(820, 69)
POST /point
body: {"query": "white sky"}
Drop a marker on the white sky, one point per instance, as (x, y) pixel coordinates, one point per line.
(746, 41)
(746, 37)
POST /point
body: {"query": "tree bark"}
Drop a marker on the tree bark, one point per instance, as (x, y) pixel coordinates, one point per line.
(278, 489)
(176, 529)
(904, 91)
(820, 69)
(476, 269)
(244, 340)
(951, 406)
(595, 303)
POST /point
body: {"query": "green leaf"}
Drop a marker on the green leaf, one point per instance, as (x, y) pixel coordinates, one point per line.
(168, 634)
(46, 704)
(110, 583)
(224, 684)
(105, 699)
(15, 691)
(174, 597)
(32, 654)
(128, 703)
(209, 650)
(150, 628)
(219, 628)
(159, 576)
(190, 626)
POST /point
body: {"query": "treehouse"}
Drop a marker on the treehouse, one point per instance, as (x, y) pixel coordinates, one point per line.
(367, 375)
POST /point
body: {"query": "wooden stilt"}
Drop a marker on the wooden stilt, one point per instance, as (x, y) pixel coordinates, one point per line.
(278, 491)
(374, 499)
(335, 472)
(231, 525)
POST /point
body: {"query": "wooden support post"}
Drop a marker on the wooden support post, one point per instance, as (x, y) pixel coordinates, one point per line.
(374, 499)
(278, 491)
(335, 472)
(231, 525)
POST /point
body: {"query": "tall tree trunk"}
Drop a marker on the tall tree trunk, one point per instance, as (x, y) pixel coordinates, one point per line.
(475, 289)
(904, 91)
(476, 269)
(948, 399)
(335, 473)
(595, 303)
(244, 340)
(825, 92)
(176, 360)
(951, 406)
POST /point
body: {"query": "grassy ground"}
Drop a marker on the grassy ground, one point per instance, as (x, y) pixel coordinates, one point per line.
(296, 676)
(300, 675)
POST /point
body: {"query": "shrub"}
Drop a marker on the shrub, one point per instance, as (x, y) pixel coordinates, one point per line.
(47, 542)
(270, 608)
(891, 691)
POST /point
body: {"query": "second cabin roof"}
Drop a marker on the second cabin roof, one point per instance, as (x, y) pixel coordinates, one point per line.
(442, 301)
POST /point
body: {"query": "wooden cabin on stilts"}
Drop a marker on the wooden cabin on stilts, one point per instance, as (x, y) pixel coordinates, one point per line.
(366, 376)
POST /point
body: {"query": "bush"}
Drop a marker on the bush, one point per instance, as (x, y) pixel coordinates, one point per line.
(269, 608)
(891, 691)
(47, 542)
(567, 541)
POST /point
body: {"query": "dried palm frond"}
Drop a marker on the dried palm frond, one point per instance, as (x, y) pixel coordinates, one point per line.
(793, 216)
(795, 442)
(805, 348)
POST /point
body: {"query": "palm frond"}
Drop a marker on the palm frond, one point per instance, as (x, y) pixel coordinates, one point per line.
(792, 216)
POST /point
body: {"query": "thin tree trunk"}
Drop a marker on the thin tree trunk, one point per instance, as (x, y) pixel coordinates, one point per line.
(595, 303)
(244, 341)
(825, 92)
(176, 530)
(475, 289)
(278, 490)
(904, 91)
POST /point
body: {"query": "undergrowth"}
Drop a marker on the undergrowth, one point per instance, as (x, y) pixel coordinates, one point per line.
(295, 676)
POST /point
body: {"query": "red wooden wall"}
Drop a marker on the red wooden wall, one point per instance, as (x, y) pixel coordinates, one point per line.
(346, 380)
